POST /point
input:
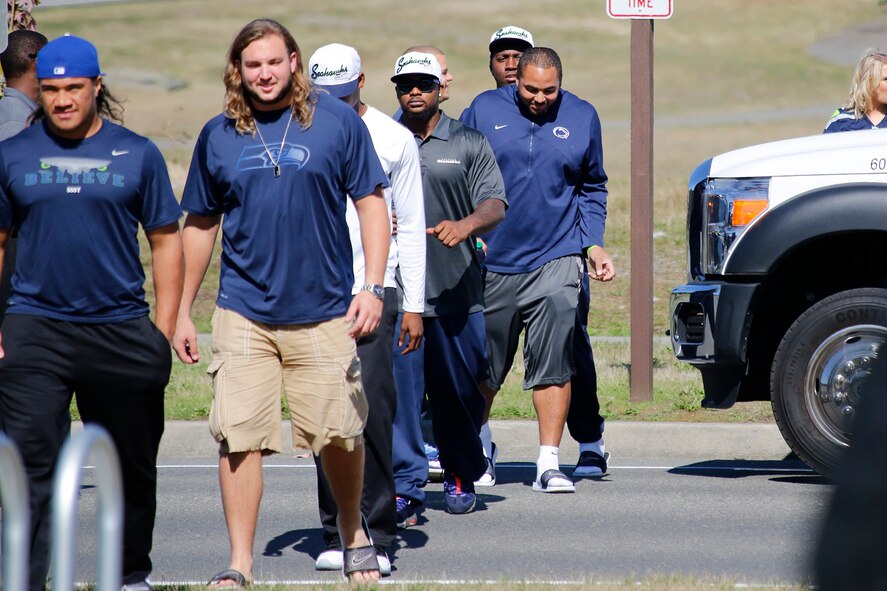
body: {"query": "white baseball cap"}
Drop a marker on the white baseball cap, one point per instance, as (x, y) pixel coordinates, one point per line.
(416, 62)
(511, 36)
(335, 68)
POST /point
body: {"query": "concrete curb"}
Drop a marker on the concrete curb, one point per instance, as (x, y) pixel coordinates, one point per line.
(518, 441)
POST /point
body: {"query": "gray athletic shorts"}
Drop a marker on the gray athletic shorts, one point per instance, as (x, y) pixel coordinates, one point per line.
(544, 302)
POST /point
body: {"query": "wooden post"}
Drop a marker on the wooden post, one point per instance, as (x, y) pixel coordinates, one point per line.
(641, 373)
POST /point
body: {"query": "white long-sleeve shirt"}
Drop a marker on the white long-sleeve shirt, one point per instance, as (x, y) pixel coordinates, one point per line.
(399, 157)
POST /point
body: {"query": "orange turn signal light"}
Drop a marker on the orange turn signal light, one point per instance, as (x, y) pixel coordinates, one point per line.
(745, 210)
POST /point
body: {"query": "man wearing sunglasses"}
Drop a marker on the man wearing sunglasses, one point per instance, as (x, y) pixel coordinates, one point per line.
(416, 458)
(464, 196)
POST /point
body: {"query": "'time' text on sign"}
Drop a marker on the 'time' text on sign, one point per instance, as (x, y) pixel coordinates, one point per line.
(640, 8)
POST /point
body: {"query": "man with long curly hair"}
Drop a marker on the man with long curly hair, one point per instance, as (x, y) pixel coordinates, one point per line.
(275, 170)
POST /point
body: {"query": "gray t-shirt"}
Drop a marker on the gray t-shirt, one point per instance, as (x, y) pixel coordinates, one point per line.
(459, 171)
(15, 109)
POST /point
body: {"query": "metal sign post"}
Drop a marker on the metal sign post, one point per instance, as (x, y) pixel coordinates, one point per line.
(642, 13)
(641, 373)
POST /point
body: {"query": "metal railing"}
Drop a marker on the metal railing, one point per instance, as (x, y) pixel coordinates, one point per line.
(16, 517)
(64, 509)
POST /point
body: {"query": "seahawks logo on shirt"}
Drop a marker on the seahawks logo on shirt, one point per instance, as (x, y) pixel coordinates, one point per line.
(73, 172)
(255, 156)
(74, 165)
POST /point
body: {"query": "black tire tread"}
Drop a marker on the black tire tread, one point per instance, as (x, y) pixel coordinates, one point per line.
(826, 461)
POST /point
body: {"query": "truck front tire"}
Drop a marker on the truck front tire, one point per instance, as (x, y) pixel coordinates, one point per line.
(818, 369)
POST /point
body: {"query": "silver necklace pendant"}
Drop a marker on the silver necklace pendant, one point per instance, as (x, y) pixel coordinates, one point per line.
(275, 163)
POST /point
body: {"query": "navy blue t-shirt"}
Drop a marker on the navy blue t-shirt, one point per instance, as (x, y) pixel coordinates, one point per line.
(286, 250)
(78, 205)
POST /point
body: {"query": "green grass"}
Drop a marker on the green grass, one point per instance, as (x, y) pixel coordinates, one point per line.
(677, 396)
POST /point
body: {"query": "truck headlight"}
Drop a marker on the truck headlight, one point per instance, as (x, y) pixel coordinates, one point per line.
(729, 205)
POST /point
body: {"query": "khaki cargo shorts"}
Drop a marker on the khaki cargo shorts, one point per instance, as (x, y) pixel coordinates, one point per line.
(318, 368)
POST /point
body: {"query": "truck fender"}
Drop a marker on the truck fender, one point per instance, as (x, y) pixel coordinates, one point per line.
(821, 212)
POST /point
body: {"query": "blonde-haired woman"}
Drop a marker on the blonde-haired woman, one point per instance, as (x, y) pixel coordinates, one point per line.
(866, 106)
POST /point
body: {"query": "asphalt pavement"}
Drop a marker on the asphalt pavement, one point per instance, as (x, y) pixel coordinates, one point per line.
(691, 499)
(518, 440)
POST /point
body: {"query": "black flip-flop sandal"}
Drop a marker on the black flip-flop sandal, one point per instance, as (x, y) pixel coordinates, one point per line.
(228, 575)
(548, 483)
(362, 558)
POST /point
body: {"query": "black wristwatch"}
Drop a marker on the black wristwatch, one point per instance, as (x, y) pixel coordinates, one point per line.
(375, 289)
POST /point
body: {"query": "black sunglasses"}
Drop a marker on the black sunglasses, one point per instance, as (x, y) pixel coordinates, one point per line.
(423, 84)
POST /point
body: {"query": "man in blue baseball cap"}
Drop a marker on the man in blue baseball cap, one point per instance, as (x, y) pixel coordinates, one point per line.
(77, 186)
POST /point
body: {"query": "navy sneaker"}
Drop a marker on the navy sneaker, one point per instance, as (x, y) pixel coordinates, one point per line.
(406, 512)
(459, 495)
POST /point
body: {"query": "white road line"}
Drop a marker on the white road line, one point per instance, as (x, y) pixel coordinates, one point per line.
(466, 583)
(505, 467)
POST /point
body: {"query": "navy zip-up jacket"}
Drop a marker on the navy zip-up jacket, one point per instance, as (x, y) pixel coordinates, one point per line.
(554, 178)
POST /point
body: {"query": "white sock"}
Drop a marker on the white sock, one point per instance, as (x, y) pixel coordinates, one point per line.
(486, 439)
(597, 447)
(548, 460)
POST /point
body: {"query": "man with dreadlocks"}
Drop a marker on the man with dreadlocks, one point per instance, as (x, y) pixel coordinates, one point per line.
(275, 170)
(77, 186)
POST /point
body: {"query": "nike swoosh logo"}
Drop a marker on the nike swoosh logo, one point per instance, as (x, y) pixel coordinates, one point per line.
(497, 127)
(119, 152)
(361, 561)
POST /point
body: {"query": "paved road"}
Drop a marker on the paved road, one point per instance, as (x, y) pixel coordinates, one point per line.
(690, 499)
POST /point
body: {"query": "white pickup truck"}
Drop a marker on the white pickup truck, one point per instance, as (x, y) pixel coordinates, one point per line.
(786, 296)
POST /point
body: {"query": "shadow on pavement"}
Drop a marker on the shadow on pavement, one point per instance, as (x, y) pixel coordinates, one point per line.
(788, 470)
(307, 541)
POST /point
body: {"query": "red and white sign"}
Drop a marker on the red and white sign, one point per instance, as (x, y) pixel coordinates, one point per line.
(640, 8)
